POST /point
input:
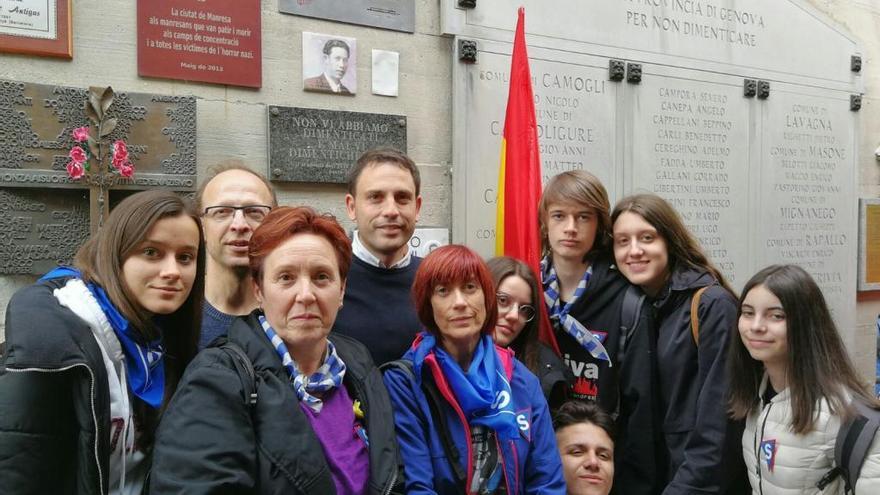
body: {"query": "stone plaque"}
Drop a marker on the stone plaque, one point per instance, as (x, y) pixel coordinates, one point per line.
(685, 141)
(36, 122)
(397, 15)
(807, 202)
(700, 34)
(575, 107)
(314, 145)
(757, 180)
(41, 230)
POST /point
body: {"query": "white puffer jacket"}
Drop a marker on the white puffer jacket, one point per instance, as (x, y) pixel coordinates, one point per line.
(781, 462)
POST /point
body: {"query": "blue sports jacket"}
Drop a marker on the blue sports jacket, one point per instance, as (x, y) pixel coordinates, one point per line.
(531, 462)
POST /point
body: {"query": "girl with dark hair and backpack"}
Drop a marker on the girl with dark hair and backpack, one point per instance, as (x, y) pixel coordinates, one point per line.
(690, 444)
(793, 383)
(94, 352)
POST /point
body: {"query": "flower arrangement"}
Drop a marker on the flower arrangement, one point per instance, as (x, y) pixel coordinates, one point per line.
(89, 144)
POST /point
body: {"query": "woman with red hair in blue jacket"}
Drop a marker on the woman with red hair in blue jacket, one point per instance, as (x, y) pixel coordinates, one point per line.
(470, 418)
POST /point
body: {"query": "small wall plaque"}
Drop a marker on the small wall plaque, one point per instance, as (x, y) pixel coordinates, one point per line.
(397, 15)
(316, 145)
(36, 27)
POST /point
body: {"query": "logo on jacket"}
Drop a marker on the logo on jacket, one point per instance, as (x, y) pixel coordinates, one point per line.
(522, 420)
(584, 389)
(768, 453)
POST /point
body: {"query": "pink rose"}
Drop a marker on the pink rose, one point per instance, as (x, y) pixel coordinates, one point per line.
(120, 152)
(81, 134)
(77, 155)
(75, 170)
(126, 170)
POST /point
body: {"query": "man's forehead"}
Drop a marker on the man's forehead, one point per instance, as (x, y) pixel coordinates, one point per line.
(379, 177)
(236, 182)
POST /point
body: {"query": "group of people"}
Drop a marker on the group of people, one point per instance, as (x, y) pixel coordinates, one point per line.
(238, 346)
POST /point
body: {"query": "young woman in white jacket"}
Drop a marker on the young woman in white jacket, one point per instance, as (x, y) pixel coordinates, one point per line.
(793, 382)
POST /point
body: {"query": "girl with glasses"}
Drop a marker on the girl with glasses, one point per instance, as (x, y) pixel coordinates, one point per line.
(517, 294)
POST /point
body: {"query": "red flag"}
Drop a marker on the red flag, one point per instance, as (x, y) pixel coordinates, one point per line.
(519, 177)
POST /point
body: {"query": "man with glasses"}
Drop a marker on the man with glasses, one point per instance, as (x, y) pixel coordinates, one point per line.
(233, 200)
(383, 200)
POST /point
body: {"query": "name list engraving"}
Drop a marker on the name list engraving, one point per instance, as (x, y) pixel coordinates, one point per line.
(685, 136)
(574, 112)
(41, 230)
(810, 161)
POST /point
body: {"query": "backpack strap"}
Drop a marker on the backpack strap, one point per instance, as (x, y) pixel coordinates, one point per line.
(695, 317)
(630, 311)
(432, 394)
(853, 441)
(245, 369)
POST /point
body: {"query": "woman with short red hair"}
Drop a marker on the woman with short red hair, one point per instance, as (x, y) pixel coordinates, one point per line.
(469, 417)
(318, 424)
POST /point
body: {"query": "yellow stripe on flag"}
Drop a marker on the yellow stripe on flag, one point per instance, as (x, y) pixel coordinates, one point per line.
(499, 202)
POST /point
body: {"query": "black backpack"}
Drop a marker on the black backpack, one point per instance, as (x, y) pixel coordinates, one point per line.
(630, 312)
(851, 447)
(245, 369)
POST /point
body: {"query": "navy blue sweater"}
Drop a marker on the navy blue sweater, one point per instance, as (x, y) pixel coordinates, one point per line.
(378, 309)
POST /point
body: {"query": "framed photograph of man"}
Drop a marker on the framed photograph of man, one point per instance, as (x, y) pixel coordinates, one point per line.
(36, 27)
(329, 63)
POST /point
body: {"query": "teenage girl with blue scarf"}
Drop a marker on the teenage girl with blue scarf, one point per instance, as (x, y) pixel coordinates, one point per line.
(470, 418)
(93, 352)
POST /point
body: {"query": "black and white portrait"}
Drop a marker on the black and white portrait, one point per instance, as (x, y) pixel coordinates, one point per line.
(329, 63)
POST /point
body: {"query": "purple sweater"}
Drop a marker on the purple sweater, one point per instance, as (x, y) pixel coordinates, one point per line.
(345, 452)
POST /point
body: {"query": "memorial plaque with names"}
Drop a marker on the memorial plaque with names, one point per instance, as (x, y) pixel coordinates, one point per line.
(397, 15)
(41, 230)
(575, 107)
(759, 178)
(807, 194)
(315, 145)
(215, 41)
(36, 122)
(685, 148)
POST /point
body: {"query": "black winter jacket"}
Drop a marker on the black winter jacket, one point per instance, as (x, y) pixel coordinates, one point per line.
(553, 375)
(209, 441)
(598, 309)
(695, 446)
(54, 399)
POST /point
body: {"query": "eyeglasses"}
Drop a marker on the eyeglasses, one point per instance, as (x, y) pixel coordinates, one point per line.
(253, 214)
(506, 303)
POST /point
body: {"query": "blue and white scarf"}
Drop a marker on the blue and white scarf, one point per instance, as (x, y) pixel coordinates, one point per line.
(144, 362)
(483, 393)
(559, 314)
(327, 377)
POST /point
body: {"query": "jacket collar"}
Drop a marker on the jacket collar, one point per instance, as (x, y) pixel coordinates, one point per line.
(781, 395)
(681, 281)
